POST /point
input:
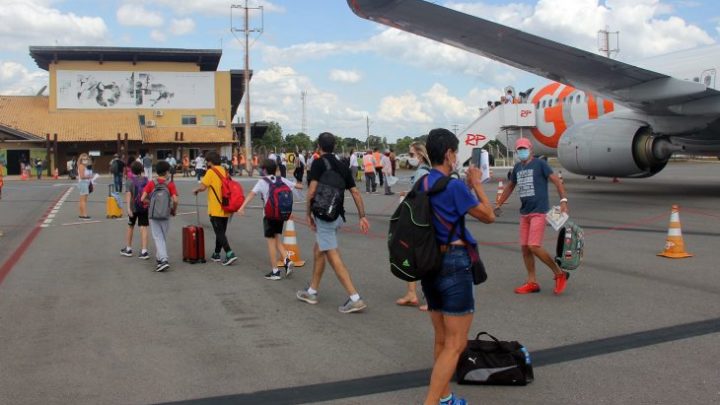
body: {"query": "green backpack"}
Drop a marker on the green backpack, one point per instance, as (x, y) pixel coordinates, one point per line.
(570, 245)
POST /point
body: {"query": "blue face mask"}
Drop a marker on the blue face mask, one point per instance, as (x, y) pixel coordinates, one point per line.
(523, 154)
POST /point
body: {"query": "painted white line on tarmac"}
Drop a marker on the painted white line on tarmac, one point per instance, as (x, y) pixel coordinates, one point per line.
(50, 216)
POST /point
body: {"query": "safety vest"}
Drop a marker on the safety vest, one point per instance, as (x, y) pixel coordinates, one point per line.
(255, 160)
(369, 163)
(242, 160)
(378, 161)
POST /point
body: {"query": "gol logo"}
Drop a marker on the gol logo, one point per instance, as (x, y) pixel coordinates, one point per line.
(474, 139)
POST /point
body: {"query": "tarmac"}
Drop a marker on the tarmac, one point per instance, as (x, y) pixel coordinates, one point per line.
(81, 324)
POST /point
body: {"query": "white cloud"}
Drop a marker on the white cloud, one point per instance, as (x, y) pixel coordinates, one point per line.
(16, 79)
(345, 76)
(212, 7)
(644, 25)
(34, 22)
(158, 36)
(182, 26)
(137, 15)
(405, 108)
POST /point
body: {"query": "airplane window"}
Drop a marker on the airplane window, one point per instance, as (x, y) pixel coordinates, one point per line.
(550, 103)
(537, 105)
(543, 104)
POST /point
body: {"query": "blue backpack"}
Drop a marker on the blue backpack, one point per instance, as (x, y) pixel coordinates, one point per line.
(279, 204)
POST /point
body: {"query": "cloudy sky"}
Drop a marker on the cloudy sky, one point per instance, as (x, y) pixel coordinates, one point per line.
(350, 68)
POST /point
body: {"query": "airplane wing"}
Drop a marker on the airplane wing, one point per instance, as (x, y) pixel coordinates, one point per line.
(635, 87)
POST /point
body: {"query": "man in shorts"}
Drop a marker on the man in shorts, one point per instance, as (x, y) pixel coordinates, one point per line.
(326, 245)
(137, 212)
(531, 176)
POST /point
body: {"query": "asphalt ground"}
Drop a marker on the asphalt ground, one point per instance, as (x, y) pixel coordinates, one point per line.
(81, 324)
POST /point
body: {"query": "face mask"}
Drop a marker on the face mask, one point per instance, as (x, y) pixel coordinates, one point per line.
(413, 161)
(523, 154)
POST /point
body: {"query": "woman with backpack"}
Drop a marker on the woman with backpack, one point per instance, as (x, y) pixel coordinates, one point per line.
(418, 158)
(449, 290)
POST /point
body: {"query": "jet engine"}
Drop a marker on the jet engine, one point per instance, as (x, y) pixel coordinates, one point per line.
(614, 147)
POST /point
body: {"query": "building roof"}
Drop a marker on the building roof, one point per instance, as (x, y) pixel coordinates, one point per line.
(189, 134)
(31, 115)
(8, 133)
(207, 59)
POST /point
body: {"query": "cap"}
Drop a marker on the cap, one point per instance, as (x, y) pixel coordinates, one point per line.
(523, 143)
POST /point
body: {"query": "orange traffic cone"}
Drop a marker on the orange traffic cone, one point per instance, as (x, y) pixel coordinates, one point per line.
(674, 245)
(500, 190)
(24, 175)
(56, 174)
(290, 242)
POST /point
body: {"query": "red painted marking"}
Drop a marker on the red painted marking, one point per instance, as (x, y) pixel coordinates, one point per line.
(525, 113)
(25, 244)
(474, 139)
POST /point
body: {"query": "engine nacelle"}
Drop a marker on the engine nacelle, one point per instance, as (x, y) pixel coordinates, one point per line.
(613, 147)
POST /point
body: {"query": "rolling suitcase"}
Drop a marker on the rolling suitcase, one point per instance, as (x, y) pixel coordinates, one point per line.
(193, 240)
(112, 204)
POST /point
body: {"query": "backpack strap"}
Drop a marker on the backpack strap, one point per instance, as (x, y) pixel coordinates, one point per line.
(221, 177)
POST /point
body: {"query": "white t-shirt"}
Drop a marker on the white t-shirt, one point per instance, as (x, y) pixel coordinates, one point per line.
(387, 167)
(272, 156)
(301, 158)
(353, 160)
(283, 159)
(262, 188)
(199, 162)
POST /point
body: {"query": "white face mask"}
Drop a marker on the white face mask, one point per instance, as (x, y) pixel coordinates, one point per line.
(413, 161)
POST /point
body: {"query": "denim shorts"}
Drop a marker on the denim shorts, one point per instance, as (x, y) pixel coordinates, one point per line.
(326, 234)
(84, 187)
(450, 291)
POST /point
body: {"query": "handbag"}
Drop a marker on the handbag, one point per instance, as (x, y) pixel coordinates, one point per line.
(476, 265)
(90, 187)
(494, 362)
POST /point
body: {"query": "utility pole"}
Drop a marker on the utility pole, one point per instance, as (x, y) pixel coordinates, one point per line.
(604, 42)
(246, 74)
(367, 124)
(303, 128)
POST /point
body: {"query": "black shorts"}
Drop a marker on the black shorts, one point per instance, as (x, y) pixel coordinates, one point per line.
(272, 227)
(141, 219)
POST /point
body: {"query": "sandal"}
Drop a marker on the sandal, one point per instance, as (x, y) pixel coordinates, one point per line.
(406, 302)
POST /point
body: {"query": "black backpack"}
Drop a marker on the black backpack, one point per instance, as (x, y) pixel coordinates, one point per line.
(414, 251)
(327, 203)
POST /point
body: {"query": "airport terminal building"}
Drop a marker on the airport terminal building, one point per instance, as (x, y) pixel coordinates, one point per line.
(131, 101)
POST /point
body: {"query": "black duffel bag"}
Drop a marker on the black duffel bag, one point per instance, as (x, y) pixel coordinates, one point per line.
(494, 362)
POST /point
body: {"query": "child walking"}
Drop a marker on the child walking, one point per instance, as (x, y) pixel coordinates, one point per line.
(163, 202)
(276, 193)
(137, 212)
(218, 217)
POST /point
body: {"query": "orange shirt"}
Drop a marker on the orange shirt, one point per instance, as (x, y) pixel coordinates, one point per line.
(186, 162)
(234, 160)
(255, 160)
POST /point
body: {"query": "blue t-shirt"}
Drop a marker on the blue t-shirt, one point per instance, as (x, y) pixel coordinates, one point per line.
(531, 182)
(450, 205)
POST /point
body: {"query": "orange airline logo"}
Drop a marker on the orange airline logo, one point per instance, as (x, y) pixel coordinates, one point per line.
(555, 113)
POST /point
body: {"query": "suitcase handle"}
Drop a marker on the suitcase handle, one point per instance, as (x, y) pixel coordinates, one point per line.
(197, 209)
(487, 334)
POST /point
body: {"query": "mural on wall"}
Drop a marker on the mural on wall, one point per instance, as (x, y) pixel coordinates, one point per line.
(124, 90)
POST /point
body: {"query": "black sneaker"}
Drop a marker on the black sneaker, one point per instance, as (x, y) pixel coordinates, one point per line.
(288, 264)
(216, 257)
(229, 259)
(274, 275)
(144, 255)
(162, 266)
(126, 252)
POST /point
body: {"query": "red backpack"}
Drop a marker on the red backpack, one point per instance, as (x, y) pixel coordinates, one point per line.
(231, 196)
(279, 205)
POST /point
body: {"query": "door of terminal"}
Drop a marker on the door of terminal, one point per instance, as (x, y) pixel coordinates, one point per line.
(13, 160)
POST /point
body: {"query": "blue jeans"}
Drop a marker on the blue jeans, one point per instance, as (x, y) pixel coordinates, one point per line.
(450, 291)
(117, 180)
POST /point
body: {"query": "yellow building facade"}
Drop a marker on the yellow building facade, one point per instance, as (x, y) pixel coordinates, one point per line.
(129, 101)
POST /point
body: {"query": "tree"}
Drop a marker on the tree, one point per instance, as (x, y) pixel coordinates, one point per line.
(374, 141)
(354, 143)
(403, 144)
(272, 139)
(298, 142)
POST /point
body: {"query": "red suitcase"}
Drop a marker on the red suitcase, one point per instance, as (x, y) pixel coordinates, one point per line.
(193, 240)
